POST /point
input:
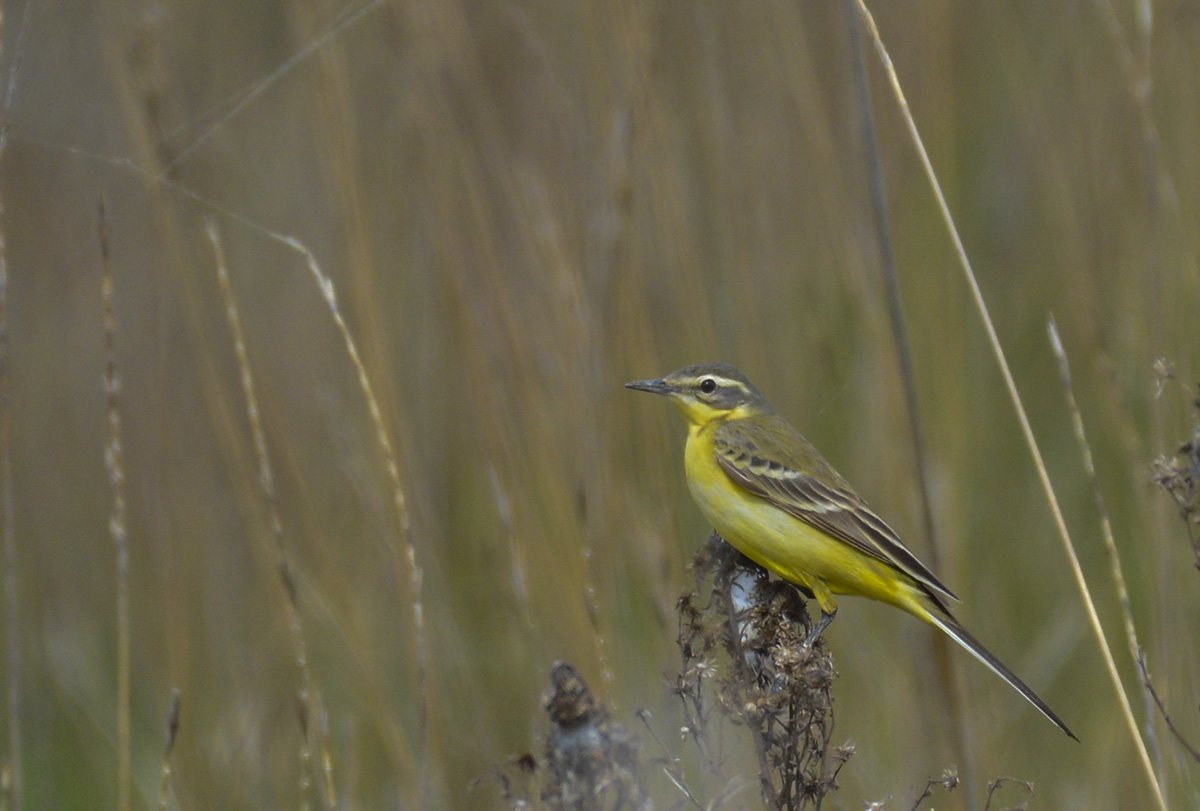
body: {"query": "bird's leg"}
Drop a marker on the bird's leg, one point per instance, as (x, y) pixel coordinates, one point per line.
(819, 628)
(828, 610)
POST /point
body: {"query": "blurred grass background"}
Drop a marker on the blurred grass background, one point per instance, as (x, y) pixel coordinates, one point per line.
(523, 205)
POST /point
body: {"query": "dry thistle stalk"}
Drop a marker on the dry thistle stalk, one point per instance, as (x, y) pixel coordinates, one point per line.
(948, 781)
(744, 657)
(593, 762)
(1180, 477)
(590, 763)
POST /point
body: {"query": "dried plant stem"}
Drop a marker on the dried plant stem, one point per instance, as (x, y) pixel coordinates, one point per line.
(999, 782)
(949, 674)
(10, 537)
(309, 694)
(13, 784)
(117, 525)
(1015, 396)
(325, 285)
(887, 262)
(1191, 750)
(1106, 530)
(164, 789)
(13, 767)
(948, 781)
(1139, 80)
(327, 291)
(345, 19)
(669, 763)
(747, 657)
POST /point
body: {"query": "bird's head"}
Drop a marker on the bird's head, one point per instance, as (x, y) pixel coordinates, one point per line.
(707, 392)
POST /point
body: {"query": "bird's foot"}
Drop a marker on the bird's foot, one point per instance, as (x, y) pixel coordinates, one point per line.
(819, 628)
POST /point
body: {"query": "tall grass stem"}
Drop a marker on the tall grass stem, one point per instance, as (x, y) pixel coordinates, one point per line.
(117, 525)
(8, 529)
(309, 693)
(1106, 532)
(1018, 406)
(949, 674)
(392, 465)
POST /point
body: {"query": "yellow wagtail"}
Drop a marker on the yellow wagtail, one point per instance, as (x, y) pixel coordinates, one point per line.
(772, 495)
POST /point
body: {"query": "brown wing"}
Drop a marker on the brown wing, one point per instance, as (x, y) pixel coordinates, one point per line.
(770, 459)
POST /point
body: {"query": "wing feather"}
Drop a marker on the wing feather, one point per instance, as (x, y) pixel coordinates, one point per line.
(812, 491)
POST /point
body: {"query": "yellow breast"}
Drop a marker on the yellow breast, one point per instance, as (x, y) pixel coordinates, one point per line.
(782, 543)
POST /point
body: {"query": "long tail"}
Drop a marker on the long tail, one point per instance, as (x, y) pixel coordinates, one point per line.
(960, 635)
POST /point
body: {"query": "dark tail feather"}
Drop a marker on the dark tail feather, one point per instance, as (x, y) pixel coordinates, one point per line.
(960, 635)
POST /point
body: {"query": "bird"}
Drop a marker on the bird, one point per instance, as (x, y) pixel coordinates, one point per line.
(768, 491)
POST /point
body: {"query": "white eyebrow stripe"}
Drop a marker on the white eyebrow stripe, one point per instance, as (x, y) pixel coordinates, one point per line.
(723, 382)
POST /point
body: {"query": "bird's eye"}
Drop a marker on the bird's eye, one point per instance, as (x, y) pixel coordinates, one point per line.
(708, 385)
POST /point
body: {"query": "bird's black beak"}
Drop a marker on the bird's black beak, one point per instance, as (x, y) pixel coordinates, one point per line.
(652, 386)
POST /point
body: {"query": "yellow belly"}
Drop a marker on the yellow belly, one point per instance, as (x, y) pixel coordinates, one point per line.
(782, 543)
